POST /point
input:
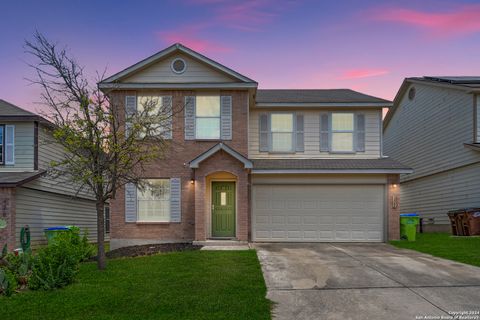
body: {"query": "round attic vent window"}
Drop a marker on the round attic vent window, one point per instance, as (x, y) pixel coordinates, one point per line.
(411, 93)
(179, 65)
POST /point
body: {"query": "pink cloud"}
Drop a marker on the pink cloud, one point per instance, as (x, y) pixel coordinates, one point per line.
(247, 15)
(362, 73)
(191, 39)
(463, 20)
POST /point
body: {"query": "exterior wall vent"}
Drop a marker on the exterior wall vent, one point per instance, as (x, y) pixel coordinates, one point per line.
(178, 65)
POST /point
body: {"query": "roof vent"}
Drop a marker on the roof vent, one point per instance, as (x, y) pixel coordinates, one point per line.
(411, 93)
(178, 65)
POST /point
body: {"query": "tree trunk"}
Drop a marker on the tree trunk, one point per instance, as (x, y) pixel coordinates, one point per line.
(101, 259)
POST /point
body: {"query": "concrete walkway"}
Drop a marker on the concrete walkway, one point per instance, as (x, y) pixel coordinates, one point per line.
(365, 281)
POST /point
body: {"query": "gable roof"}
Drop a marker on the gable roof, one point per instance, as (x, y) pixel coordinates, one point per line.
(317, 97)
(177, 47)
(11, 112)
(195, 163)
(469, 84)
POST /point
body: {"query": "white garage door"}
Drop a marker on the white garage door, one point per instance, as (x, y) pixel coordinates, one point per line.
(314, 213)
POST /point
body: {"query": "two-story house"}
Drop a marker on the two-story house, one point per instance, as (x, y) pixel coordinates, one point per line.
(29, 196)
(434, 127)
(255, 165)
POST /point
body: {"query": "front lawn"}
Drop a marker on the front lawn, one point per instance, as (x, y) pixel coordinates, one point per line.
(181, 285)
(461, 249)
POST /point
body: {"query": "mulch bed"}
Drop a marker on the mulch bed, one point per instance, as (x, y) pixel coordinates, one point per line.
(149, 249)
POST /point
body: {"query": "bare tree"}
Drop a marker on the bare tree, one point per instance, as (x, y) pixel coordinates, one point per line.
(104, 146)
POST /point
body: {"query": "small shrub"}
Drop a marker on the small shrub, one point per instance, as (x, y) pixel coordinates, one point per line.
(56, 265)
(8, 283)
(20, 265)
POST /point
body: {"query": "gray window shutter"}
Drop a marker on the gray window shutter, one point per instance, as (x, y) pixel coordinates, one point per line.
(226, 117)
(324, 132)
(130, 202)
(190, 118)
(130, 110)
(175, 200)
(299, 133)
(10, 144)
(360, 132)
(263, 128)
(167, 110)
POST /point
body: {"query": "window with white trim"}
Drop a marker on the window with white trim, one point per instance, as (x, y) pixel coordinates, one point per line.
(153, 201)
(342, 132)
(2, 144)
(207, 117)
(160, 117)
(281, 132)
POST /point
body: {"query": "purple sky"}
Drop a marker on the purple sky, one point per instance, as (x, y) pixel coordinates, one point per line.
(369, 46)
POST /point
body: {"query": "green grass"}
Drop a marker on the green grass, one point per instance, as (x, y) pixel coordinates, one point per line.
(182, 285)
(461, 249)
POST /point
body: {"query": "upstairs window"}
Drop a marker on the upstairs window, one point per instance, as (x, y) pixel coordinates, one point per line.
(160, 114)
(281, 132)
(342, 132)
(207, 117)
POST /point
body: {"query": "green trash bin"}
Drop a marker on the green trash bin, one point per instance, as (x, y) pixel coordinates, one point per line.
(408, 226)
(52, 232)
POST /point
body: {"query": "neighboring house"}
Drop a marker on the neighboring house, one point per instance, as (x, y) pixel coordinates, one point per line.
(255, 165)
(434, 127)
(27, 195)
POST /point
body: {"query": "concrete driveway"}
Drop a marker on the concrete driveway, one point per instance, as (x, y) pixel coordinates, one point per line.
(365, 281)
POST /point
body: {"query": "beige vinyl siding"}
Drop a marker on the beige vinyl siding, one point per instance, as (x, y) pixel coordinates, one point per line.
(434, 196)
(41, 210)
(24, 147)
(312, 137)
(161, 72)
(49, 151)
(428, 132)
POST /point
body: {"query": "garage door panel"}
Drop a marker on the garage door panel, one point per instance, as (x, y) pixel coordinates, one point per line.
(318, 212)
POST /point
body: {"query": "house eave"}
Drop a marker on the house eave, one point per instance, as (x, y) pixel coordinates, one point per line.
(330, 171)
(195, 163)
(323, 104)
(178, 86)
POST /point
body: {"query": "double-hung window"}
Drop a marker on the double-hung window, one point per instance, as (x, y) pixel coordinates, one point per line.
(343, 127)
(282, 132)
(2, 144)
(158, 117)
(207, 117)
(153, 201)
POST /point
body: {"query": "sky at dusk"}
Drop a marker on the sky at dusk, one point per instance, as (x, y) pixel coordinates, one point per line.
(369, 46)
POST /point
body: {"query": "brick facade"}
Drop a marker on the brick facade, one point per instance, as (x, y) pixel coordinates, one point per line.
(221, 162)
(7, 212)
(175, 164)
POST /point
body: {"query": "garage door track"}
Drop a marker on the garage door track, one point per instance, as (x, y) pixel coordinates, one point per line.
(365, 281)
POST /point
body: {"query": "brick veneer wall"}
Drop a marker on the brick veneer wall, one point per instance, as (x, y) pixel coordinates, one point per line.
(393, 213)
(221, 161)
(175, 164)
(7, 212)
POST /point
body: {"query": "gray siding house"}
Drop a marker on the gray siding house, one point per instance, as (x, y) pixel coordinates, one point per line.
(28, 196)
(434, 127)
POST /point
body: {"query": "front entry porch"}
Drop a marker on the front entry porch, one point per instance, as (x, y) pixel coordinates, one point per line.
(221, 182)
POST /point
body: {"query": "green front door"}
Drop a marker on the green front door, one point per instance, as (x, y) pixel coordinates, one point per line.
(223, 209)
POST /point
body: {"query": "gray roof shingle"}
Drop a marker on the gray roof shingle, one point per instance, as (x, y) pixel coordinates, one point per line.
(315, 96)
(8, 109)
(328, 164)
(13, 179)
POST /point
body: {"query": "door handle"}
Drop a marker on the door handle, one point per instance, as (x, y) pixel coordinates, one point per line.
(213, 207)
